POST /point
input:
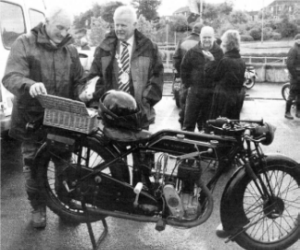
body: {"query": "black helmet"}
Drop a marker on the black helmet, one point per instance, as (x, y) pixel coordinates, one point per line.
(119, 109)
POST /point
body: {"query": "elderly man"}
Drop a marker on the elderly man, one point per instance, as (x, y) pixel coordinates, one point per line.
(197, 74)
(127, 60)
(41, 62)
(293, 65)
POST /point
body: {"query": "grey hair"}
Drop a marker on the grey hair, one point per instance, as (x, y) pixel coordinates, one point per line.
(54, 11)
(207, 29)
(126, 9)
(231, 39)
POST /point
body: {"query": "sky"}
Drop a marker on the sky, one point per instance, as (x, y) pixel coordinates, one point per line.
(167, 7)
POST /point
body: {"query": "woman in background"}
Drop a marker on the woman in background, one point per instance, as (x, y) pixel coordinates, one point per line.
(228, 94)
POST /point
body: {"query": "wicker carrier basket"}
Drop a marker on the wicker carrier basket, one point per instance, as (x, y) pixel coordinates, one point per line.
(68, 114)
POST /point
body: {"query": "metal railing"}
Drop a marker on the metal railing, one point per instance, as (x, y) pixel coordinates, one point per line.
(168, 52)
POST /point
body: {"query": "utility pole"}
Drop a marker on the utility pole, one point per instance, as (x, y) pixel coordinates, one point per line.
(201, 9)
(262, 22)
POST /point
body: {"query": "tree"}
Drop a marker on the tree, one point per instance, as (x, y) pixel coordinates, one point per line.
(108, 10)
(147, 8)
(238, 17)
(144, 26)
(179, 24)
(83, 20)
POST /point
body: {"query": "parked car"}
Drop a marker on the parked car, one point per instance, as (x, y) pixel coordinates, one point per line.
(17, 17)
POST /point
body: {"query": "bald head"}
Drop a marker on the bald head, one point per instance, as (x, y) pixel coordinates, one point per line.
(207, 37)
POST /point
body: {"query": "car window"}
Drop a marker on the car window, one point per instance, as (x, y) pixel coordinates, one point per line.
(12, 23)
(35, 17)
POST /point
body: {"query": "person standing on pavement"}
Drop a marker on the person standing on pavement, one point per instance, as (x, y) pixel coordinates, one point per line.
(127, 60)
(181, 49)
(197, 73)
(293, 65)
(41, 62)
(229, 79)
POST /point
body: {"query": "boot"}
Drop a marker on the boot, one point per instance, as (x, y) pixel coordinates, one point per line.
(38, 217)
(288, 110)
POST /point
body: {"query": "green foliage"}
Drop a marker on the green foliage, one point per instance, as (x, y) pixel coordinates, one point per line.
(108, 10)
(98, 30)
(144, 26)
(179, 24)
(83, 20)
(147, 8)
(238, 17)
(246, 38)
(276, 36)
(286, 28)
(255, 33)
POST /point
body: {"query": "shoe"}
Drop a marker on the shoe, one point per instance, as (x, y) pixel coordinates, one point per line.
(220, 232)
(38, 218)
(288, 116)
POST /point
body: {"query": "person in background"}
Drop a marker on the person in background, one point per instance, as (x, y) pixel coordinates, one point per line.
(293, 65)
(229, 79)
(197, 73)
(41, 62)
(181, 49)
(128, 61)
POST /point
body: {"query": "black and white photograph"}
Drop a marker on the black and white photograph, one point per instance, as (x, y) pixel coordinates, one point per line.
(150, 124)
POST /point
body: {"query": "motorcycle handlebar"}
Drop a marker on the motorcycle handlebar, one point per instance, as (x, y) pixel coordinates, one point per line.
(222, 120)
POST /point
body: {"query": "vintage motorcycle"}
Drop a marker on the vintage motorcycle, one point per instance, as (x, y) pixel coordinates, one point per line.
(259, 206)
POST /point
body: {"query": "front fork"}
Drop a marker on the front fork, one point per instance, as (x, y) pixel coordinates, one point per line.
(257, 161)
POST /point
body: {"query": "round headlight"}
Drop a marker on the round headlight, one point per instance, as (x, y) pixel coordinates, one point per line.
(267, 130)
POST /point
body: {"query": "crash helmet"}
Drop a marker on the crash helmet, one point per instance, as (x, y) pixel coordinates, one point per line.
(119, 109)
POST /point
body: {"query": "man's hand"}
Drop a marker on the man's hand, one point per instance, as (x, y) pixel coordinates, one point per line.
(37, 89)
(208, 55)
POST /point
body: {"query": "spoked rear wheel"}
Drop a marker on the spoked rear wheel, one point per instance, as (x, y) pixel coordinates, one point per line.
(70, 209)
(274, 223)
(285, 91)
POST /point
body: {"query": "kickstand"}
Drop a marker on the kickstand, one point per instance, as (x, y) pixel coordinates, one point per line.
(95, 243)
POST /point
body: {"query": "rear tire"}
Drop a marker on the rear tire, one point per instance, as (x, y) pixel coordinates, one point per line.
(92, 149)
(249, 83)
(275, 222)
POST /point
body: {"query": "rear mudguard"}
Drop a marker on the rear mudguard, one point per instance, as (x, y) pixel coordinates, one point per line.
(231, 210)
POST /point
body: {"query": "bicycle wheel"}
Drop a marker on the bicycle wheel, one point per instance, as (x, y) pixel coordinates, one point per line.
(65, 206)
(273, 222)
(285, 91)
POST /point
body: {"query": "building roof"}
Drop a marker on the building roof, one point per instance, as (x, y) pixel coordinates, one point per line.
(182, 9)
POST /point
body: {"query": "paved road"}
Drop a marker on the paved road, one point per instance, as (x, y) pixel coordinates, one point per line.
(16, 233)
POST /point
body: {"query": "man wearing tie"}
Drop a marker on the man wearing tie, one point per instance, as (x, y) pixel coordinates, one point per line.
(127, 60)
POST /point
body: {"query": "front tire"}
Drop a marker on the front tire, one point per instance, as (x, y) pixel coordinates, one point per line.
(273, 224)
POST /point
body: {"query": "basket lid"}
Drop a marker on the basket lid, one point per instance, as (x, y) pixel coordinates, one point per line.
(63, 104)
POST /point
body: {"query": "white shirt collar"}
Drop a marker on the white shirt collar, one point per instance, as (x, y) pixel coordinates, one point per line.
(130, 40)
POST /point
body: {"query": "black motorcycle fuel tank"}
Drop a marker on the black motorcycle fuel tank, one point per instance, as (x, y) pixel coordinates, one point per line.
(183, 142)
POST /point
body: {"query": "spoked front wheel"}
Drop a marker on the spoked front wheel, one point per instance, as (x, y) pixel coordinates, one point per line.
(274, 221)
(285, 91)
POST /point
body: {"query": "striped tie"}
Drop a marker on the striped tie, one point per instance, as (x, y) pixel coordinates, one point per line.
(123, 78)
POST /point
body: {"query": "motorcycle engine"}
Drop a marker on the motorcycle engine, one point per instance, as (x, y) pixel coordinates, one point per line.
(180, 190)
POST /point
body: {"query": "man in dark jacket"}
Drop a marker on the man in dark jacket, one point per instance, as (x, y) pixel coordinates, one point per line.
(293, 65)
(180, 51)
(140, 75)
(197, 74)
(41, 62)
(144, 74)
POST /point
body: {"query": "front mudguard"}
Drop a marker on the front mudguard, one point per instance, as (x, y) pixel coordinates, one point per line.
(231, 208)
